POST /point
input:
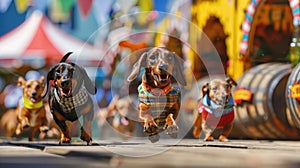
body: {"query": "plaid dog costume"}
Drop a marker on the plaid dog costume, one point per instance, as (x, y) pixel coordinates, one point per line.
(70, 103)
(160, 101)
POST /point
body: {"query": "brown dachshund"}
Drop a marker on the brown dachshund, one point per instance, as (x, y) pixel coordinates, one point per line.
(30, 111)
(215, 110)
(159, 101)
(69, 98)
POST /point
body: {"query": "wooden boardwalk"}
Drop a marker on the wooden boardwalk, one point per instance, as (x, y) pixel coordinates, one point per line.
(139, 153)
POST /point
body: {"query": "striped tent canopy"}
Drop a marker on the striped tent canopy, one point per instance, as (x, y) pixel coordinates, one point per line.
(38, 38)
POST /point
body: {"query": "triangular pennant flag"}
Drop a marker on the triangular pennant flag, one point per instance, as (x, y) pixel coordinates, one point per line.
(84, 6)
(22, 5)
(56, 12)
(66, 5)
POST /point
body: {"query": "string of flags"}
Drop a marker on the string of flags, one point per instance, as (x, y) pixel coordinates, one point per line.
(63, 7)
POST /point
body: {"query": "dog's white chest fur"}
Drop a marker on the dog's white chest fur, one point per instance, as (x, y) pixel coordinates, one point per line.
(33, 118)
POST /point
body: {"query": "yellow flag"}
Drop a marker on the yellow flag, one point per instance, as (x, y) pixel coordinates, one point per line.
(22, 5)
(145, 6)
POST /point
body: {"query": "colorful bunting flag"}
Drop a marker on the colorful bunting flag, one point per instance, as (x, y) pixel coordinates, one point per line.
(84, 6)
(58, 10)
(66, 5)
(22, 5)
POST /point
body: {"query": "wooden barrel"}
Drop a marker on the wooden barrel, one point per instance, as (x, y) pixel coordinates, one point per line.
(264, 116)
(293, 97)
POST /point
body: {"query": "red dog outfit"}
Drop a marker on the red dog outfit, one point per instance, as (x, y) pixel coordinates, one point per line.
(206, 107)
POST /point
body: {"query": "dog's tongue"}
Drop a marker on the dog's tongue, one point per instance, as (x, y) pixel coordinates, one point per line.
(33, 99)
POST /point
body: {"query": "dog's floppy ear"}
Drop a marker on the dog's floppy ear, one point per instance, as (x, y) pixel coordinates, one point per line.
(42, 79)
(50, 76)
(205, 89)
(88, 84)
(21, 81)
(178, 70)
(137, 67)
(230, 81)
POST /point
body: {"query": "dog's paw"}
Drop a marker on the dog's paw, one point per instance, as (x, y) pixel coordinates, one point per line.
(85, 136)
(222, 138)
(172, 131)
(209, 138)
(150, 127)
(65, 140)
(154, 138)
(44, 129)
(18, 131)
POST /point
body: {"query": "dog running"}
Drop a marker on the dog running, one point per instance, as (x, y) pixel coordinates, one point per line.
(215, 110)
(159, 101)
(30, 111)
(69, 98)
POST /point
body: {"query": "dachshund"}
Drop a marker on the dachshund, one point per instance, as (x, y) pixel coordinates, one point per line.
(30, 110)
(120, 115)
(69, 98)
(215, 110)
(159, 101)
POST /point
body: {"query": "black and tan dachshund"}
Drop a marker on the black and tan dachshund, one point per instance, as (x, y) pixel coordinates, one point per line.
(69, 98)
(159, 101)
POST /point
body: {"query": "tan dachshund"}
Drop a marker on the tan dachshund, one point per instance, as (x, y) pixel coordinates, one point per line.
(215, 109)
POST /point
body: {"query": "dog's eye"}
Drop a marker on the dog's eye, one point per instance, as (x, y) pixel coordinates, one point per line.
(38, 87)
(152, 57)
(170, 57)
(27, 86)
(58, 75)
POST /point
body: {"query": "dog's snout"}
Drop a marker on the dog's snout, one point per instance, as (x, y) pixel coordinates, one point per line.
(34, 93)
(65, 83)
(163, 66)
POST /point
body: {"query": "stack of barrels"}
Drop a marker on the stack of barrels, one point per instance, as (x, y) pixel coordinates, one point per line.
(267, 104)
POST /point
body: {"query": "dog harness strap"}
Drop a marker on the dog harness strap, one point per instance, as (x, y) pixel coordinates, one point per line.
(160, 105)
(70, 103)
(25, 102)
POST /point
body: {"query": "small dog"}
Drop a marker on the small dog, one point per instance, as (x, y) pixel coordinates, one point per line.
(30, 111)
(159, 102)
(215, 110)
(69, 98)
(120, 115)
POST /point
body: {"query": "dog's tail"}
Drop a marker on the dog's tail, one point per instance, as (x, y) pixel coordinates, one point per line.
(65, 57)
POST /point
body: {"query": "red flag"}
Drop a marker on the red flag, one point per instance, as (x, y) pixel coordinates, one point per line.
(84, 6)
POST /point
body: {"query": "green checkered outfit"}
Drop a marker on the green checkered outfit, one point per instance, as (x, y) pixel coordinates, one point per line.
(160, 104)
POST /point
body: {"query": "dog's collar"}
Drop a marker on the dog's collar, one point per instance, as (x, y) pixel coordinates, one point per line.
(156, 91)
(215, 109)
(26, 103)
